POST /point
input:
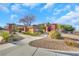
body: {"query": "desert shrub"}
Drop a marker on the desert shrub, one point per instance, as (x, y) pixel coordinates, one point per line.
(54, 34)
(41, 31)
(33, 34)
(10, 37)
(15, 38)
(71, 43)
(36, 34)
(5, 36)
(28, 33)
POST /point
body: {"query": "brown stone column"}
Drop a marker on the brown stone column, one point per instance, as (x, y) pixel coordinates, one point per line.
(25, 29)
(46, 29)
(10, 28)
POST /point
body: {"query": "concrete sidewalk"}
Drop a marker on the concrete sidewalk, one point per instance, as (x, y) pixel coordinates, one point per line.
(21, 48)
(5, 46)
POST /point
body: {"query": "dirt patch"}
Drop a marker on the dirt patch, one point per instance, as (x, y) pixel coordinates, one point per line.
(53, 44)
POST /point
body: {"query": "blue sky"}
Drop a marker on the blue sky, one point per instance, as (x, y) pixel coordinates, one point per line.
(64, 13)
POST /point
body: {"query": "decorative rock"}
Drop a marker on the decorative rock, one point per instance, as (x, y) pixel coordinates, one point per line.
(1, 38)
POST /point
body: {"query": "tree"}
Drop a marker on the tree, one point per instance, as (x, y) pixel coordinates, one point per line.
(27, 20)
(48, 24)
(1, 28)
(42, 27)
(60, 26)
(65, 28)
(68, 28)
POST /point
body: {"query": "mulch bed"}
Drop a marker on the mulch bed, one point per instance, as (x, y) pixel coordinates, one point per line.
(52, 44)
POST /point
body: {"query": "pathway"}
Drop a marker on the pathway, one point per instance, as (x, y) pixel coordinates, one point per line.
(22, 48)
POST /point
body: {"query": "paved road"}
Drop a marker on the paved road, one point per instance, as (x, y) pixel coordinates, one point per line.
(22, 48)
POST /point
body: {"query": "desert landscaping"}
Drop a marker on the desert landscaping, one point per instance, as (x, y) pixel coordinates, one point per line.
(54, 44)
(39, 30)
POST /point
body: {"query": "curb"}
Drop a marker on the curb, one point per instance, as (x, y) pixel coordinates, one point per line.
(63, 51)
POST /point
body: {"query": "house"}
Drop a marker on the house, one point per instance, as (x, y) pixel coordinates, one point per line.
(32, 29)
(22, 28)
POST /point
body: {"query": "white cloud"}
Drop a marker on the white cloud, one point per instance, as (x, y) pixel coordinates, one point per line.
(66, 18)
(16, 7)
(67, 7)
(12, 17)
(70, 18)
(48, 5)
(77, 8)
(59, 11)
(31, 5)
(4, 8)
(51, 19)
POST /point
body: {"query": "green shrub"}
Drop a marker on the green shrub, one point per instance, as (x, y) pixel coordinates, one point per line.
(15, 38)
(28, 33)
(33, 34)
(54, 34)
(36, 34)
(41, 31)
(5, 36)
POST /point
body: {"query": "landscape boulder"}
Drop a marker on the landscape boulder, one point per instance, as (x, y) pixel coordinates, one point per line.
(1, 38)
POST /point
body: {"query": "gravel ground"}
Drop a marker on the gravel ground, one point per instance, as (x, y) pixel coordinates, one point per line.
(52, 44)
